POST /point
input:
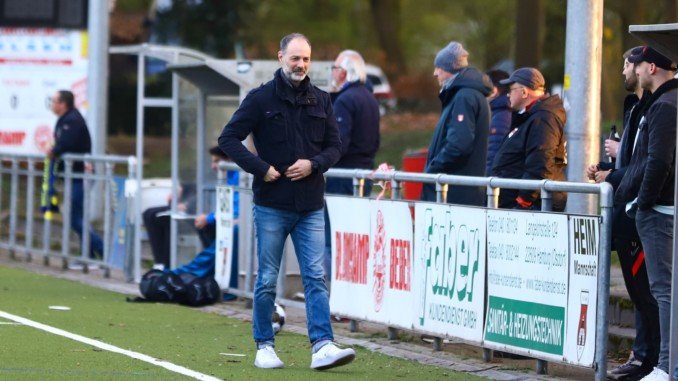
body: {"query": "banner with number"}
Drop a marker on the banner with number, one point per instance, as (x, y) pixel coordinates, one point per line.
(527, 283)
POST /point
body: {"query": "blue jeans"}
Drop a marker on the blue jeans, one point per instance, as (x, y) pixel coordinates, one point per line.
(308, 235)
(96, 245)
(656, 233)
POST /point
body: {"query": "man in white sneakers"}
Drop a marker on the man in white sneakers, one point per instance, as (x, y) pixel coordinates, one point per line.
(296, 137)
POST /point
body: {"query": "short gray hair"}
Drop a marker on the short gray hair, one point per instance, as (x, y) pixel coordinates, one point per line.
(353, 63)
(287, 39)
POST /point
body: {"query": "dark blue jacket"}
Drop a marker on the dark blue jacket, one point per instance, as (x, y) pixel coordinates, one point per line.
(459, 144)
(357, 112)
(287, 124)
(72, 136)
(499, 127)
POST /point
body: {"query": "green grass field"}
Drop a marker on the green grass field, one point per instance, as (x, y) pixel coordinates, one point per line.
(183, 336)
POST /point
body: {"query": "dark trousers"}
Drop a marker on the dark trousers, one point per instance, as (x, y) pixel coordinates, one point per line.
(96, 245)
(632, 260)
(158, 229)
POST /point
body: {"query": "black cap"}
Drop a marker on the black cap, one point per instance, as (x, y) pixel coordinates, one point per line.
(650, 55)
(528, 77)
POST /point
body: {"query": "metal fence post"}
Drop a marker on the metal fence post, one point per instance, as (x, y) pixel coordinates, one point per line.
(66, 213)
(108, 171)
(13, 200)
(86, 226)
(30, 190)
(600, 360)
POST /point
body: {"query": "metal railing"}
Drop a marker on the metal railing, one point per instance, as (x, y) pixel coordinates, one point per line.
(20, 236)
(442, 183)
(247, 240)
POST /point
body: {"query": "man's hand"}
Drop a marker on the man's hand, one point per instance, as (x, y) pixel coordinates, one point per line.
(300, 169)
(591, 171)
(601, 176)
(50, 153)
(271, 175)
(200, 221)
(611, 147)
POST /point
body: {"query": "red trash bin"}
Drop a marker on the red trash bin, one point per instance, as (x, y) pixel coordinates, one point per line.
(413, 161)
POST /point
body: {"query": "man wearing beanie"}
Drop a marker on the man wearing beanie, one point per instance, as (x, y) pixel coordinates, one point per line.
(535, 147)
(647, 187)
(459, 143)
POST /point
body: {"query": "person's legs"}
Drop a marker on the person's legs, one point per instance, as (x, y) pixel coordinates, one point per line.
(308, 237)
(656, 233)
(158, 229)
(272, 228)
(632, 261)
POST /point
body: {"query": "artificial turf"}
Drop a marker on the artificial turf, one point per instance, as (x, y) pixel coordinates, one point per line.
(181, 335)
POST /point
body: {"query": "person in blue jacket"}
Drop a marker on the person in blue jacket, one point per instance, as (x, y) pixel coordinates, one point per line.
(459, 143)
(357, 113)
(501, 116)
(72, 136)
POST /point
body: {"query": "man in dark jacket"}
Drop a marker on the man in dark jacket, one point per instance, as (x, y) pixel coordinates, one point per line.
(72, 136)
(645, 349)
(459, 143)
(647, 187)
(357, 113)
(500, 124)
(297, 140)
(535, 147)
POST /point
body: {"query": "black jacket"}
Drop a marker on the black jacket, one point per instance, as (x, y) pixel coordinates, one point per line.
(534, 150)
(287, 124)
(499, 127)
(650, 174)
(72, 136)
(459, 144)
(624, 227)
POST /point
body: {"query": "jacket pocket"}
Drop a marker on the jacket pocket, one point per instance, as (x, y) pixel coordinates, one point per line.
(274, 126)
(316, 124)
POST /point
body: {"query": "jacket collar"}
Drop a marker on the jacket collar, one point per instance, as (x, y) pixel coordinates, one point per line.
(301, 95)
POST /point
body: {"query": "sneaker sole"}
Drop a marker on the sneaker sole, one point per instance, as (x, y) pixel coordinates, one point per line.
(339, 362)
(269, 367)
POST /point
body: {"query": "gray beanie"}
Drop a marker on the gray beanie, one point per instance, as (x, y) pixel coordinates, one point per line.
(452, 58)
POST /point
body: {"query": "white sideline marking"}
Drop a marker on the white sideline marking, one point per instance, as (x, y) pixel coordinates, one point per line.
(111, 348)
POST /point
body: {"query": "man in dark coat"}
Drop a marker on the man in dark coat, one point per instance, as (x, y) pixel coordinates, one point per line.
(459, 143)
(535, 147)
(501, 116)
(645, 350)
(357, 113)
(295, 133)
(72, 136)
(647, 187)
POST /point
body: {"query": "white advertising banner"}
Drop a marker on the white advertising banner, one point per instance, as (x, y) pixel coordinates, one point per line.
(224, 245)
(584, 238)
(449, 275)
(372, 257)
(34, 63)
(527, 283)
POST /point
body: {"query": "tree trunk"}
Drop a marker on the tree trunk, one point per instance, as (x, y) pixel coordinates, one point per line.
(529, 33)
(386, 16)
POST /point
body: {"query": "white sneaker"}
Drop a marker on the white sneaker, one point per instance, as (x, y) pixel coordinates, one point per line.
(267, 359)
(330, 356)
(656, 375)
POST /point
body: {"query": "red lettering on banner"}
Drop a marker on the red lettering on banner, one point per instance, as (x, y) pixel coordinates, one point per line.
(12, 138)
(401, 265)
(353, 250)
